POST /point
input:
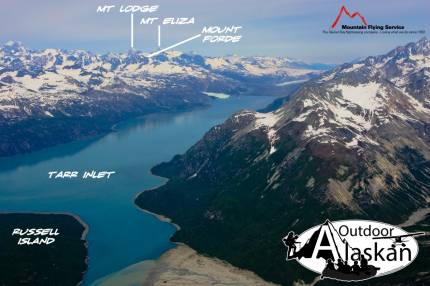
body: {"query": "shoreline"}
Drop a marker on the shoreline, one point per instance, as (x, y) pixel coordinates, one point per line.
(185, 266)
(174, 252)
(182, 265)
(171, 266)
(112, 128)
(75, 216)
(160, 217)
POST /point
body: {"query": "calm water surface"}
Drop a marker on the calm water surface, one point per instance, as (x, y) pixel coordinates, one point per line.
(120, 234)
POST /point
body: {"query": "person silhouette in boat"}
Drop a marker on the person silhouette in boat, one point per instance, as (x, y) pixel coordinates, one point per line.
(348, 268)
(345, 272)
(356, 268)
(290, 242)
(364, 263)
(341, 266)
(330, 264)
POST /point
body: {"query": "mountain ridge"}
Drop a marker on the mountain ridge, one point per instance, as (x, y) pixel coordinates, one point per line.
(352, 143)
(83, 93)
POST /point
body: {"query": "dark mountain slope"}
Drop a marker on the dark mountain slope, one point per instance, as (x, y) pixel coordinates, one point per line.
(352, 143)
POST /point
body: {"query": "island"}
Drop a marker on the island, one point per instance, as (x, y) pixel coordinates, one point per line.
(42, 249)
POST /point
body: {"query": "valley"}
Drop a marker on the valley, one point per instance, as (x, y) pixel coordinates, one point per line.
(83, 94)
(214, 143)
(119, 234)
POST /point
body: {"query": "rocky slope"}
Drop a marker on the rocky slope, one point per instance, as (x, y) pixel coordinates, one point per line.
(352, 143)
(54, 96)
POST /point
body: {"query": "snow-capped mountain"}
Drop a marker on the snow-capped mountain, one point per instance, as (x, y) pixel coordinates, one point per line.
(370, 110)
(352, 143)
(59, 84)
(54, 71)
(268, 66)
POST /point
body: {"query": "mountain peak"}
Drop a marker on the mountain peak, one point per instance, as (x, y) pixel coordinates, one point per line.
(13, 47)
(423, 40)
(13, 44)
(423, 45)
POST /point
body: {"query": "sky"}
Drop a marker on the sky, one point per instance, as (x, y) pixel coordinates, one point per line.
(270, 27)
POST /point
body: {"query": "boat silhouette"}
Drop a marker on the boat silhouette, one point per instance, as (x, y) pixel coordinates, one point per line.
(351, 276)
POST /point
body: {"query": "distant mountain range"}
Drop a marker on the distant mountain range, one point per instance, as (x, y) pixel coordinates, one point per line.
(47, 96)
(351, 143)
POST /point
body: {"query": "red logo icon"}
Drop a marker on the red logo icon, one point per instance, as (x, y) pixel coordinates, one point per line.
(342, 11)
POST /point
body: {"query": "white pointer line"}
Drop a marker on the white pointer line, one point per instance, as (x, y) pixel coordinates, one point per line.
(131, 31)
(159, 35)
(175, 45)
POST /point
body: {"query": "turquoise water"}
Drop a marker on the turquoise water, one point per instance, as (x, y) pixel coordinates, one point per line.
(119, 233)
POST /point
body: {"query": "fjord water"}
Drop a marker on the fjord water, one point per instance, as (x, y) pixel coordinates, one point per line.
(119, 233)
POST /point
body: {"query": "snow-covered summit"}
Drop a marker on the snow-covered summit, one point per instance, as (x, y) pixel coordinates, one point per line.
(353, 104)
(34, 83)
(77, 70)
(356, 137)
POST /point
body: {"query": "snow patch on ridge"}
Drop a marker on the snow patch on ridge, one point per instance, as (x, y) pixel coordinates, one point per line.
(311, 132)
(353, 68)
(268, 121)
(363, 95)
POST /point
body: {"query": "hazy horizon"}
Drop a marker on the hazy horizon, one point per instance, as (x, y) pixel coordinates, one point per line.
(274, 28)
(202, 54)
